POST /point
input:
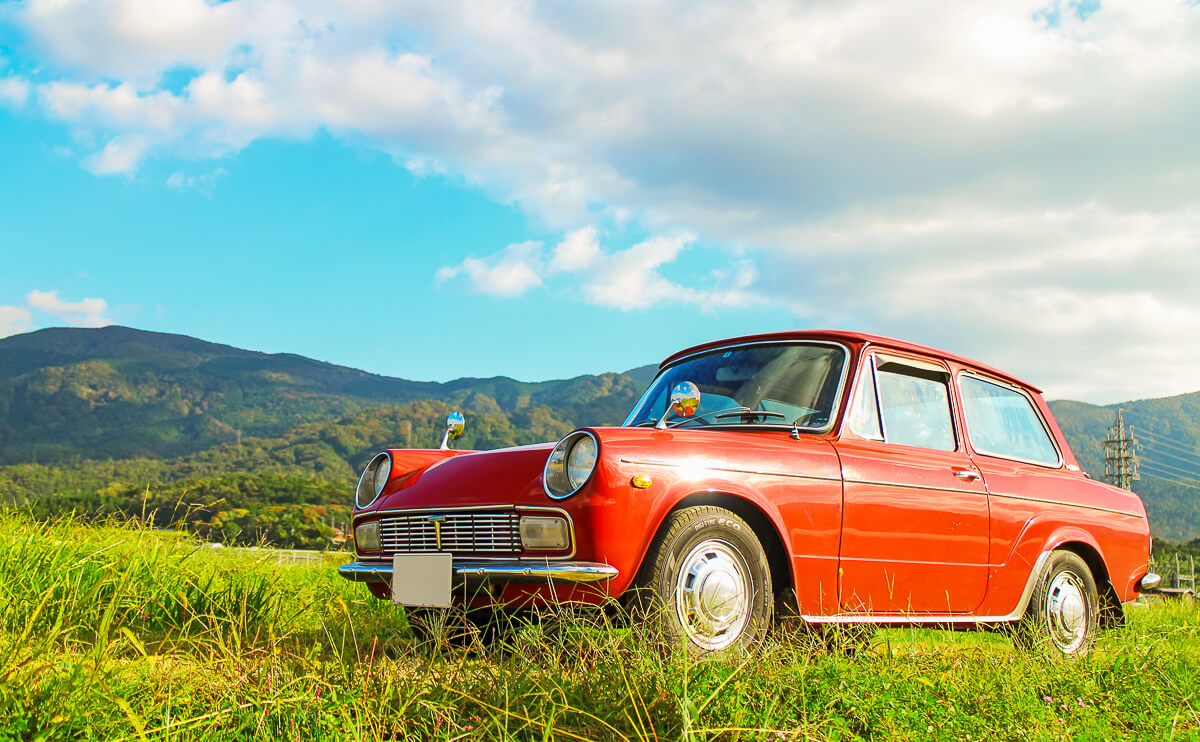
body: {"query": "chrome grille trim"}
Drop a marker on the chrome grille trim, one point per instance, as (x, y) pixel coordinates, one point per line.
(463, 532)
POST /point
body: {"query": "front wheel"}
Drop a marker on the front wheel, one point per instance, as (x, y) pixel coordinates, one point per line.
(1064, 612)
(708, 576)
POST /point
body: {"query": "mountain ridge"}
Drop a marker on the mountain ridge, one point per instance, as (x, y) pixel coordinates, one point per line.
(177, 409)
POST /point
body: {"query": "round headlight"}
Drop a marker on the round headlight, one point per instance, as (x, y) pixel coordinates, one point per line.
(373, 480)
(581, 461)
(382, 472)
(570, 464)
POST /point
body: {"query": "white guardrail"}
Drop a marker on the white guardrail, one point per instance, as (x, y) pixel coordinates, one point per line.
(289, 557)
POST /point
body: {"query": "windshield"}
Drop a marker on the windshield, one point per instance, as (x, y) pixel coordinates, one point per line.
(788, 384)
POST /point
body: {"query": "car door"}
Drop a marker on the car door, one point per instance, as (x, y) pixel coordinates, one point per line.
(1015, 451)
(915, 513)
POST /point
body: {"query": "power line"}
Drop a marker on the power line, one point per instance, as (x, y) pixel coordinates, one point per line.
(1166, 446)
(1175, 456)
(1169, 442)
(1176, 444)
(1186, 473)
(1193, 484)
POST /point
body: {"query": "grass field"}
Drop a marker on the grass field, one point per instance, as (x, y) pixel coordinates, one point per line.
(124, 633)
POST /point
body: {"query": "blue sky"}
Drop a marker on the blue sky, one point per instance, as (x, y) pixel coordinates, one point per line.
(314, 247)
(540, 191)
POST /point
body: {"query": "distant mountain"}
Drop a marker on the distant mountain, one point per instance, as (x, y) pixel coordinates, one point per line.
(117, 410)
(116, 392)
(1168, 431)
(643, 375)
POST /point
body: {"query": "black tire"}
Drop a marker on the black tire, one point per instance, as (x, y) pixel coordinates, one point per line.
(1063, 616)
(707, 564)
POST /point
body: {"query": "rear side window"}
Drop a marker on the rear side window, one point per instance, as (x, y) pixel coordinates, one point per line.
(1002, 422)
(913, 399)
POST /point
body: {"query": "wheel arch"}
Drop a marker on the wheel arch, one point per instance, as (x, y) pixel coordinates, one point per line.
(1046, 532)
(765, 527)
(1111, 613)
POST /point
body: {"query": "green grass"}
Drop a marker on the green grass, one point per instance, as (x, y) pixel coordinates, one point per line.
(123, 633)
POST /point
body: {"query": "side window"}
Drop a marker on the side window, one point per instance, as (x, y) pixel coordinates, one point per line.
(913, 398)
(1002, 422)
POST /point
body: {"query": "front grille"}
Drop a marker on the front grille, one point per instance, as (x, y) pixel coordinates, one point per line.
(463, 532)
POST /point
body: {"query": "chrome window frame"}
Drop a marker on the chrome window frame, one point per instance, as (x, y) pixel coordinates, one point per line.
(833, 412)
(872, 353)
(854, 403)
(1028, 398)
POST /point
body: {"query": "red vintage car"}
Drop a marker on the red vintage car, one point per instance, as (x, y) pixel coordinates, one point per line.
(839, 477)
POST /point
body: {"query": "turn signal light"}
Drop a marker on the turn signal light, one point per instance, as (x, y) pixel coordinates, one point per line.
(366, 536)
(545, 533)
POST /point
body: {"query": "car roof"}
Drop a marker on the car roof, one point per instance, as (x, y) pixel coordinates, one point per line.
(855, 338)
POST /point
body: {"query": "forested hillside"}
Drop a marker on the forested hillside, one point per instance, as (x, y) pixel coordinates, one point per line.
(241, 445)
(72, 394)
(1168, 431)
(238, 445)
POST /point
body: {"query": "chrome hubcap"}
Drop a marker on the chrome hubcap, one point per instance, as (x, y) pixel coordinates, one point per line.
(1067, 612)
(712, 594)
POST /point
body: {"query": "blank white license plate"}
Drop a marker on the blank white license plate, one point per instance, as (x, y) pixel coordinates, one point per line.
(422, 579)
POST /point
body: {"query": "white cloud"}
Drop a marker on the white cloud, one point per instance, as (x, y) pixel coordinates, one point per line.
(1090, 303)
(625, 279)
(205, 183)
(13, 90)
(872, 163)
(577, 250)
(128, 38)
(119, 157)
(630, 278)
(510, 272)
(738, 121)
(14, 320)
(83, 313)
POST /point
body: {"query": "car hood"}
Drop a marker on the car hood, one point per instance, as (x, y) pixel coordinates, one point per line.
(424, 478)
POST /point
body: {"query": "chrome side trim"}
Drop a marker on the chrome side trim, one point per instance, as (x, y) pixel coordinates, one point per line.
(942, 618)
(1067, 504)
(672, 465)
(518, 508)
(917, 487)
(1149, 582)
(1029, 399)
(507, 572)
(834, 412)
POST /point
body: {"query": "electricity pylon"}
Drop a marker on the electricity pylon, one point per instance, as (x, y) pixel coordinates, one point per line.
(1120, 455)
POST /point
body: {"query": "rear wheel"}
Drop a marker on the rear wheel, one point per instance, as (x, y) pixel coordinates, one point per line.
(708, 578)
(1064, 612)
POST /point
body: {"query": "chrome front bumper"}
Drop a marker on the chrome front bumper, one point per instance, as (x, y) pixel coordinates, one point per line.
(496, 572)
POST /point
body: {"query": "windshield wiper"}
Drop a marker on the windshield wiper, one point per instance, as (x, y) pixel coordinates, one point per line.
(729, 412)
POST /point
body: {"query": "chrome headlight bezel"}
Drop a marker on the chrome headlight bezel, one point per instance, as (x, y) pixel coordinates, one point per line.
(555, 480)
(371, 486)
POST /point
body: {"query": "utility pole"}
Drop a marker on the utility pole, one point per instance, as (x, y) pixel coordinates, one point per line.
(1120, 455)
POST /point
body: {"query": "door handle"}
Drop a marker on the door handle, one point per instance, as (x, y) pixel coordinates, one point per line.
(966, 475)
